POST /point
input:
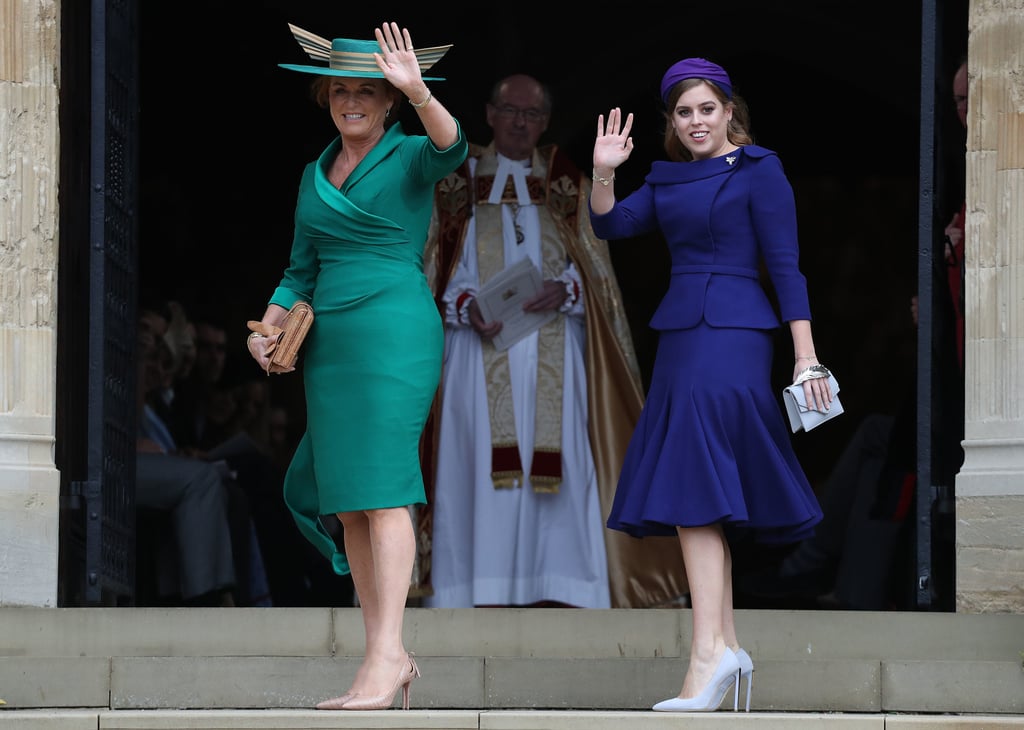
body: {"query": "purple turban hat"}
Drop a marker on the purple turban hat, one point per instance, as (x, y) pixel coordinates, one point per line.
(695, 68)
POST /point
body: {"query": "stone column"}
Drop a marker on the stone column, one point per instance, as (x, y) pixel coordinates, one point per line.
(29, 481)
(990, 486)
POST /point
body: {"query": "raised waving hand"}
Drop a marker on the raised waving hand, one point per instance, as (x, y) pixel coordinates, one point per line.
(396, 58)
(613, 144)
(611, 149)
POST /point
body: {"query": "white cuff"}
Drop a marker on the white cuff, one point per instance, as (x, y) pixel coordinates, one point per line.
(462, 306)
(573, 288)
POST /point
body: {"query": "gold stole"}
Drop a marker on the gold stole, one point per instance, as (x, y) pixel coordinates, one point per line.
(506, 461)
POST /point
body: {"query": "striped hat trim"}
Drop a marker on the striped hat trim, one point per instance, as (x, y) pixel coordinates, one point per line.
(319, 49)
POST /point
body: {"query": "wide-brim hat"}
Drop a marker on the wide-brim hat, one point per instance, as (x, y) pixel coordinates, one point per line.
(348, 57)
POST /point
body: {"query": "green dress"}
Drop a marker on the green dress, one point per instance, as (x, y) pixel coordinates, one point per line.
(372, 360)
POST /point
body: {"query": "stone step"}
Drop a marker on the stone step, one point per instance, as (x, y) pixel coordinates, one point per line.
(535, 632)
(483, 660)
(490, 720)
(144, 683)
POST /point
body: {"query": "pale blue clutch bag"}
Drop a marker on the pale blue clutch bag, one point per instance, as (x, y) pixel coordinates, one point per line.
(802, 417)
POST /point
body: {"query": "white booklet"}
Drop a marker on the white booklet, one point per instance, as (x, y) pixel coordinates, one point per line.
(501, 300)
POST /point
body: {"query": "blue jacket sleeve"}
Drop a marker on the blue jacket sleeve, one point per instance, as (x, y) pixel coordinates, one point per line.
(773, 210)
(632, 216)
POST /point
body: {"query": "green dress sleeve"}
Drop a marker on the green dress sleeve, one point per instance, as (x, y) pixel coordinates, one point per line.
(299, 278)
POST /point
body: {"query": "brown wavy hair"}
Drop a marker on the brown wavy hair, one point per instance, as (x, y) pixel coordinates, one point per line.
(738, 131)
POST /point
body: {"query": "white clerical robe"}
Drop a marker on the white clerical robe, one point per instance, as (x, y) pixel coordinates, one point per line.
(513, 546)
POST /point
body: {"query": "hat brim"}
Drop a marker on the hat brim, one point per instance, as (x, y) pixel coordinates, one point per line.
(325, 71)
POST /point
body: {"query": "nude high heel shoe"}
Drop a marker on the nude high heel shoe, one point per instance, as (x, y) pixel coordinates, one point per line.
(746, 671)
(727, 674)
(382, 702)
(335, 703)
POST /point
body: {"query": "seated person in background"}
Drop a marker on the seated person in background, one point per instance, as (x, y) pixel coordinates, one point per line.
(252, 580)
(179, 345)
(190, 490)
(215, 415)
(204, 406)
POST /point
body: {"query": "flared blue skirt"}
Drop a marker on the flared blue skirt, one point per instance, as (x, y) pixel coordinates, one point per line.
(711, 445)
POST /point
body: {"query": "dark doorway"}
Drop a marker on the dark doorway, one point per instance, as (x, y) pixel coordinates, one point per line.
(834, 87)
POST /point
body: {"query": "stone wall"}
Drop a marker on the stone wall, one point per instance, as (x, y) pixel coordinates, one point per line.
(990, 486)
(29, 482)
(990, 555)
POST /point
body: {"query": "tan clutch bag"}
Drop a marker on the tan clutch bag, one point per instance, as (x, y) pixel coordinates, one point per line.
(285, 352)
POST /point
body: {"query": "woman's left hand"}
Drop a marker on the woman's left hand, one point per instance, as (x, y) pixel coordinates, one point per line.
(816, 387)
(396, 59)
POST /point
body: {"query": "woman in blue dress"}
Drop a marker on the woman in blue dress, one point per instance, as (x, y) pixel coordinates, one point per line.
(372, 359)
(711, 455)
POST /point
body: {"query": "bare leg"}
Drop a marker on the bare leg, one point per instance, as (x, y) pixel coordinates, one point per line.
(728, 618)
(381, 548)
(704, 554)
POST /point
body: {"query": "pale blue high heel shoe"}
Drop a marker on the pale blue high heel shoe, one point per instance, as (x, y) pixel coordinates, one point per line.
(746, 671)
(727, 674)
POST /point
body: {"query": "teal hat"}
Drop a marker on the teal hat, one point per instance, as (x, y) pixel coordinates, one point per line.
(347, 57)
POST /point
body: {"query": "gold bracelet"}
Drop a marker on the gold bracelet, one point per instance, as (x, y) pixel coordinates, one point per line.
(430, 95)
(606, 181)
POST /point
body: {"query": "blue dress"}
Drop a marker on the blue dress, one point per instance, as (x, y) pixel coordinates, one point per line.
(711, 445)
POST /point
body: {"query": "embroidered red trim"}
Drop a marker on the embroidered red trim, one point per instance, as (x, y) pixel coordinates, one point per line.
(460, 301)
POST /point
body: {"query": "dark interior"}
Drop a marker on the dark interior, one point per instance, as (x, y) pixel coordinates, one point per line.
(834, 87)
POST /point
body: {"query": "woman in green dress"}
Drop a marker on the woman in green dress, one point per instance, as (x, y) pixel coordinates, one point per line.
(372, 360)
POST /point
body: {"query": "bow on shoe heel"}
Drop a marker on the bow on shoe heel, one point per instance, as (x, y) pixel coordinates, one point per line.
(727, 674)
(746, 672)
(382, 702)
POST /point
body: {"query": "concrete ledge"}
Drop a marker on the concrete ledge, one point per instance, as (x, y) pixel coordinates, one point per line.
(956, 722)
(504, 659)
(505, 683)
(486, 720)
(675, 721)
(555, 632)
(817, 686)
(581, 633)
(947, 686)
(141, 683)
(108, 632)
(289, 720)
(54, 682)
(636, 684)
(49, 719)
(185, 683)
(879, 635)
